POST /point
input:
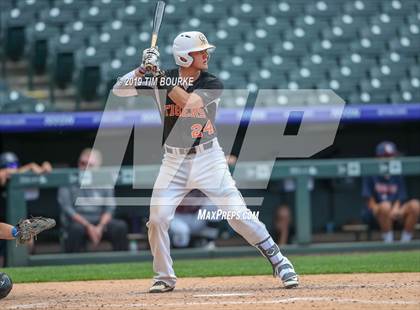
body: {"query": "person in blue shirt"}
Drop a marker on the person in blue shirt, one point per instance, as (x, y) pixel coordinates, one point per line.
(387, 200)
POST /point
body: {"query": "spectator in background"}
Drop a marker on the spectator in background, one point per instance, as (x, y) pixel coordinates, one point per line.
(283, 225)
(94, 222)
(186, 224)
(9, 165)
(387, 201)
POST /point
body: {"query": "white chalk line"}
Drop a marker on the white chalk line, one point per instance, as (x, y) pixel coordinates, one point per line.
(223, 294)
(243, 302)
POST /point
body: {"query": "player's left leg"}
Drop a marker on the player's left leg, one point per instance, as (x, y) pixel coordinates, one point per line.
(214, 179)
(410, 211)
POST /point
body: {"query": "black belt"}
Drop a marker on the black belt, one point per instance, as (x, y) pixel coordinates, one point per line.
(188, 151)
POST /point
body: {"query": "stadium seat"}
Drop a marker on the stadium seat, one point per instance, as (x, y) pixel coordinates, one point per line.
(267, 79)
(302, 78)
(129, 55)
(318, 63)
(80, 30)
(176, 12)
(286, 9)
(329, 48)
(376, 85)
(87, 65)
(367, 47)
(61, 62)
(311, 25)
(38, 36)
(14, 25)
(415, 71)
(406, 46)
(365, 97)
(388, 24)
(394, 71)
(323, 8)
(73, 6)
(95, 16)
(378, 32)
(405, 97)
(263, 37)
(238, 65)
(398, 7)
(34, 6)
(290, 49)
(393, 58)
(56, 17)
(109, 4)
(195, 24)
(274, 24)
(248, 11)
(134, 13)
(411, 31)
(210, 12)
(107, 42)
(411, 86)
(280, 63)
(342, 87)
(361, 7)
(249, 51)
(119, 28)
(110, 71)
(357, 61)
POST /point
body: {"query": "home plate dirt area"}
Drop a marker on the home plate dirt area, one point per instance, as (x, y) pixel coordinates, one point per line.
(343, 291)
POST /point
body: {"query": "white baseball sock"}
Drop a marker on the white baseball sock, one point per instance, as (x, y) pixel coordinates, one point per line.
(388, 236)
(406, 236)
(270, 250)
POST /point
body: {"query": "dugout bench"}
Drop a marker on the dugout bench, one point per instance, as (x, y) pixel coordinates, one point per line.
(300, 170)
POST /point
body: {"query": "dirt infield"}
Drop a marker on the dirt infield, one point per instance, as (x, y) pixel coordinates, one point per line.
(367, 291)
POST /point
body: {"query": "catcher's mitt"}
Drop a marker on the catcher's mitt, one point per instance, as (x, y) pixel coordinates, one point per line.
(29, 228)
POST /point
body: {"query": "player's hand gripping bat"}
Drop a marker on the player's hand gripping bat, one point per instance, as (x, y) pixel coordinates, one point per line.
(151, 56)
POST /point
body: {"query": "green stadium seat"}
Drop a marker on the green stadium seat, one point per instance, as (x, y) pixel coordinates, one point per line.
(14, 25)
(361, 7)
(237, 65)
(290, 48)
(368, 47)
(365, 97)
(389, 24)
(318, 63)
(95, 16)
(80, 30)
(250, 50)
(405, 97)
(73, 6)
(378, 32)
(357, 61)
(226, 37)
(56, 17)
(302, 79)
(375, 85)
(323, 8)
(393, 58)
(110, 72)
(311, 25)
(118, 28)
(415, 71)
(274, 24)
(38, 36)
(286, 9)
(329, 48)
(406, 46)
(263, 37)
(347, 72)
(15, 102)
(398, 7)
(411, 86)
(34, 6)
(194, 24)
(280, 63)
(109, 4)
(395, 71)
(88, 76)
(129, 55)
(134, 13)
(231, 81)
(411, 31)
(414, 18)
(176, 12)
(210, 12)
(107, 42)
(339, 34)
(342, 87)
(248, 11)
(61, 62)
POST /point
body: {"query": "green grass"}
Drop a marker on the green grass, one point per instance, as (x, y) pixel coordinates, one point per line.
(402, 261)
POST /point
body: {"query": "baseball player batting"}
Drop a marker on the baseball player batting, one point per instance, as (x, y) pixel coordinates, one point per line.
(193, 157)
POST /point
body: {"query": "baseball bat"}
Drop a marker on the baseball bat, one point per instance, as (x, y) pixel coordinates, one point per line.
(157, 21)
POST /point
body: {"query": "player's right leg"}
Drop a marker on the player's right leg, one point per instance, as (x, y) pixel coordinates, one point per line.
(169, 190)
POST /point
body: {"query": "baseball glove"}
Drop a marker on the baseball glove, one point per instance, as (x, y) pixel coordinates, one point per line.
(30, 228)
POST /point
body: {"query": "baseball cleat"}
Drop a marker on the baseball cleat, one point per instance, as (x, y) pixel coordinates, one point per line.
(285, 271)
(161, 287)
